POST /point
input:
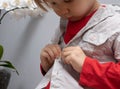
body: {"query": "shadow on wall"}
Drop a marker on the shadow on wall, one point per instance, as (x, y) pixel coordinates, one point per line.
(26, 37)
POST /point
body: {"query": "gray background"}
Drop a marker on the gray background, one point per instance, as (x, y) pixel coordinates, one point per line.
(22, 40)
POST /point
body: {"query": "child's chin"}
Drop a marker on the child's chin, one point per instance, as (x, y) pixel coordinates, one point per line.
(73, 19)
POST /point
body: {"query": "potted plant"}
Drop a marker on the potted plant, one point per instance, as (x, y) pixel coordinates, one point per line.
(4, 70)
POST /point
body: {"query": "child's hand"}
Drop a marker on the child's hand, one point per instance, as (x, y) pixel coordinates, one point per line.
(48, 55)
(74, 56)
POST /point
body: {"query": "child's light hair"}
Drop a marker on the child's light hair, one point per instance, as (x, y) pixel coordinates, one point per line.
(40, 4)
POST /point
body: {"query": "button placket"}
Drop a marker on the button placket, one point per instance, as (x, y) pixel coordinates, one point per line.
(55, 75)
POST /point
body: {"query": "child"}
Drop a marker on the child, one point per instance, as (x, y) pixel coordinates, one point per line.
(88, 44)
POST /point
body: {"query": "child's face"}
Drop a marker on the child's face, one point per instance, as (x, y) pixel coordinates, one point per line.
(72, 9)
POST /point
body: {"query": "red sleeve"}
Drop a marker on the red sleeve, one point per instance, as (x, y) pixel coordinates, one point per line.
(100, 76)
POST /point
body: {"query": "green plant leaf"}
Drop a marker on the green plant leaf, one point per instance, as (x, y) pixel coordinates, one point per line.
(8, 65)
(1, 51)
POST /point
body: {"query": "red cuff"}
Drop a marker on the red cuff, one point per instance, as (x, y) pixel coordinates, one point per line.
(42, 70)
(86, 69)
